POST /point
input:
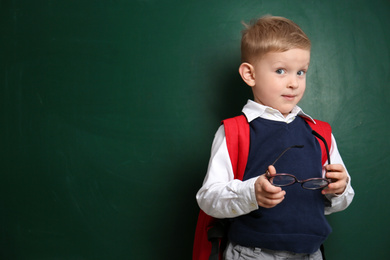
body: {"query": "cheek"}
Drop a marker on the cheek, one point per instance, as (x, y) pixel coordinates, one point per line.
(303, 88)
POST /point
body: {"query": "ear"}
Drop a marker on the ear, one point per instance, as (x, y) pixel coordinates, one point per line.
(247, 73)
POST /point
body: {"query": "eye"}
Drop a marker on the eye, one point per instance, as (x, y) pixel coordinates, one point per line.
(280, 71)
(301, 73)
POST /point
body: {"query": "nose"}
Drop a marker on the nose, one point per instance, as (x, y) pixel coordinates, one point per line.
(293, 82)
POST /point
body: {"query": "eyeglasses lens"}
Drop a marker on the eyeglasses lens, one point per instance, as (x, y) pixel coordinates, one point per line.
(282, 180)
(315, 184)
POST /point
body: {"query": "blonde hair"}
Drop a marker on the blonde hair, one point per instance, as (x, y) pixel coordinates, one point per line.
(271, 34)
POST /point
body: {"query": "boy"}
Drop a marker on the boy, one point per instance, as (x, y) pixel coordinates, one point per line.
(271, 219)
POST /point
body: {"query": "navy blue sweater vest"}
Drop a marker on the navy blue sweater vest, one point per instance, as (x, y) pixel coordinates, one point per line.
(298, 223)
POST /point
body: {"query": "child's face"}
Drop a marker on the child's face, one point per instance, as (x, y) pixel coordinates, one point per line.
(280, 79)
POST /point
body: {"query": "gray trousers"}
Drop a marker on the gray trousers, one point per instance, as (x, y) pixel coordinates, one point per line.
(237, 252)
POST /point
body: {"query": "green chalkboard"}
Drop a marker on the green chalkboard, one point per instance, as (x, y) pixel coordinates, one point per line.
(108, 110)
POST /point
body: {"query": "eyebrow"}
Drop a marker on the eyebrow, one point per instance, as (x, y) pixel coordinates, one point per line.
(283, 63)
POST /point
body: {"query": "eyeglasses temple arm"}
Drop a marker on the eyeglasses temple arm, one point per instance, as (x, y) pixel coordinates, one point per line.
(280, 155)
(324, 141)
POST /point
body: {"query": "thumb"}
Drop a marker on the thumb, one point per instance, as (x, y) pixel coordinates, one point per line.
(271, 170)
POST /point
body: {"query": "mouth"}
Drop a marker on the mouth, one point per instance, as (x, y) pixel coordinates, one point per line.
(289, 97)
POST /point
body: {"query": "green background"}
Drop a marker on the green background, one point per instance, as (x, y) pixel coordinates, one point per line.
(109, 108)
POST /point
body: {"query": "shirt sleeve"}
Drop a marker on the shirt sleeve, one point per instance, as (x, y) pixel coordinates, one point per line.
(222, 196)
(339, 202)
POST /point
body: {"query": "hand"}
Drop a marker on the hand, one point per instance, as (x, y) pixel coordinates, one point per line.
(339, 177)
(268, 195)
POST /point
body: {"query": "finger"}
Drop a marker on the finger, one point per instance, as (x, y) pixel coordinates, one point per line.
(265, 185)
(271, 170)
(274, 196)
(333, 191)
(271, 197)
(337, 176)
(334, 167)
(269, 188)
(335, 188)
(333, 175)
(269, 203)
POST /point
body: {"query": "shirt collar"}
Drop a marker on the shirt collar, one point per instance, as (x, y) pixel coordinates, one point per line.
(253, 110)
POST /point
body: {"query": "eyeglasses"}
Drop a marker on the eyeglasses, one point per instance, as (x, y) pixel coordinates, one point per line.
(284, 179)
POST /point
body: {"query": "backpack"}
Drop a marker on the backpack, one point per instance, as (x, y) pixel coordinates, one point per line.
(210, 234)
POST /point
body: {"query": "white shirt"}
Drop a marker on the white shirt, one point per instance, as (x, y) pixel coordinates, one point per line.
(222, 196)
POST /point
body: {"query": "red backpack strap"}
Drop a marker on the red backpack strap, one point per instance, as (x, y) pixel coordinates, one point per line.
(325, 130)
(237, 140)
(202, 246)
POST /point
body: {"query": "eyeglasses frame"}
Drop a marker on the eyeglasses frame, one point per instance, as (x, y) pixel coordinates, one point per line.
(302, 182)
